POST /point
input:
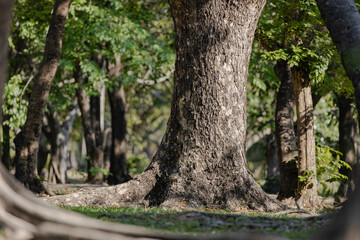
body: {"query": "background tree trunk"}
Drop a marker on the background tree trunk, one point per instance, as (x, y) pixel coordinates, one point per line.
(284, 132)
(90, 118)
(58, 138)
(97, 160)
(272, 184)
(306, 195)
(27, 141)
(271, 157)
(118, 166)
(348, 144)
(5, 153)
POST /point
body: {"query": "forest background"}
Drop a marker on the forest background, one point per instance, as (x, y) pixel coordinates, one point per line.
(299, 49)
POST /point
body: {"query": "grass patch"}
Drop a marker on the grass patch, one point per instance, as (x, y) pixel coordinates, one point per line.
(207, 221)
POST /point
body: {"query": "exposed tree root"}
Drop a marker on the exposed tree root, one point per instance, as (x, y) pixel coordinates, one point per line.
(24, 217)
(151, 190)
(133, 191)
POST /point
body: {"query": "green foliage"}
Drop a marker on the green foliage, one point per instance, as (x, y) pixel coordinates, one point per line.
(137, 164)
(293, 31)
(94, 170)
(328, 164)
(261, 93)
(140, 32)
(326, 124)
(14, 105)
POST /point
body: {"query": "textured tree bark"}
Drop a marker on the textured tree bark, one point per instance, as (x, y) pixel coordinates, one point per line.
(348, 144)
(201, 158)
(118, 166)
(284, 132)
(306, 194)
(27, 141)
(24, 217)
(90, 109)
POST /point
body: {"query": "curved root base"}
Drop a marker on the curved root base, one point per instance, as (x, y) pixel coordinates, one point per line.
(146, 190)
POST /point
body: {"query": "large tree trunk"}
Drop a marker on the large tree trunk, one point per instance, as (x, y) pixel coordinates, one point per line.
(24, 217)
(343, 22)
(348, 144)
(27, 141)
(90, 117)
(284, 132)
(201, 159)
(306, 194)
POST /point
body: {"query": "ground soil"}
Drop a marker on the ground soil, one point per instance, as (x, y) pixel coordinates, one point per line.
(293, 223)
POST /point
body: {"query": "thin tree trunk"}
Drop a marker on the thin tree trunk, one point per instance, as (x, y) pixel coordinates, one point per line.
(348, 144)
(271, 157)
(58, 138)
(98, 156)
(42, 153)
(27, 141)
(5, 153)
(306, 195)
(284, 132)
(118, 166)
(5, 18)
(272, 184)
(90, 118)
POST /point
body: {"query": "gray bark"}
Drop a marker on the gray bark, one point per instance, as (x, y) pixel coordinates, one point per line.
(201, 159)
(306, 194)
